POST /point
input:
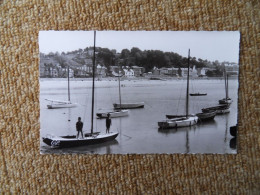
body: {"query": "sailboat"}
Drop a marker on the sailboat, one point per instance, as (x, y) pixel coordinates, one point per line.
(62, 104)
(118, 112)
(89, 138)
(120, 105)
(225, 107)
(226, 100)
(176, 121)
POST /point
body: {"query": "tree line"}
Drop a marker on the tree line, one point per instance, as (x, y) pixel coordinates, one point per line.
(148, 59)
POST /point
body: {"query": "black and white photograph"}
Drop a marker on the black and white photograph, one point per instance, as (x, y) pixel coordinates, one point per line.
(138, 92)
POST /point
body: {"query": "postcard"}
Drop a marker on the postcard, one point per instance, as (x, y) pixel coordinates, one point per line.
(138, 92)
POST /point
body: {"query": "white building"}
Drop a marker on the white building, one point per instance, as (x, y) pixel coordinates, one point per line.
(129, 72)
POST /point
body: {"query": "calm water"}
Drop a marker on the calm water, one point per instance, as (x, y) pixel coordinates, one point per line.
(138, 132)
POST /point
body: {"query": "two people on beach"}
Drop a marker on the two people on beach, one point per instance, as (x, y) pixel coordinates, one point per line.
(79, 125)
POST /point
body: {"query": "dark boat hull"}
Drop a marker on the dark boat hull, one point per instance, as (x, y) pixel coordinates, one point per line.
(198, 94)
(128, 105)
(225, 101)
(206, 116)
(60, 142)
(219, 109)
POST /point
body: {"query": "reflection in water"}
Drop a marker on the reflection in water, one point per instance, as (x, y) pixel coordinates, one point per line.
(226, 130)
(209, 122)
(187, 141)
(233, 143)
(69, 119)
(167, 131)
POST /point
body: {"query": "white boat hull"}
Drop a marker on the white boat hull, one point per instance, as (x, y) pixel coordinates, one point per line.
(129, 105)
(113, 114)
(178, 122)
(61, 105)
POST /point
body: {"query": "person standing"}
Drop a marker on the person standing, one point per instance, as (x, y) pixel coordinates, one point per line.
(108, 123)
(79, 126)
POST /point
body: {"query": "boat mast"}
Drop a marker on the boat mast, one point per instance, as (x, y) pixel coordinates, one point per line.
(119, 88)
(68, 83)
(225, 76)
(187, 93)
(93, 82)
(227, 87)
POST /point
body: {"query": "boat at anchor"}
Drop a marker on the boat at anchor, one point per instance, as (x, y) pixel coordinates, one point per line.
(176, 121)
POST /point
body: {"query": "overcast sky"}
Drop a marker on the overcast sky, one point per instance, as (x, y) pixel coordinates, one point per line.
(210, 45)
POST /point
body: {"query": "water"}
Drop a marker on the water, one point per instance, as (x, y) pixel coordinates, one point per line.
(138, 132)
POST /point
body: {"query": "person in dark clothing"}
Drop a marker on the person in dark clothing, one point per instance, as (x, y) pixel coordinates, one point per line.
(79, 126)
(108, 123)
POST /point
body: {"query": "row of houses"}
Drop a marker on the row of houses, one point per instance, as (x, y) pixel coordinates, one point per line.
(179, 72)
(232, 69)
(55, 70)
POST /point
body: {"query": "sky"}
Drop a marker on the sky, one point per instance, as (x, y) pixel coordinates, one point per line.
(210, 45)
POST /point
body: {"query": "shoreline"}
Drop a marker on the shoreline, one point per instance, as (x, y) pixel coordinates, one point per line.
(152, 78)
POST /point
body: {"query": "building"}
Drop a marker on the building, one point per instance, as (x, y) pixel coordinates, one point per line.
(156, 71)
(129, 72)
(138, 71)
(101, 70)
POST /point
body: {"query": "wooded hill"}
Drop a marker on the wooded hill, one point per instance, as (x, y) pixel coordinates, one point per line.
(147, 59)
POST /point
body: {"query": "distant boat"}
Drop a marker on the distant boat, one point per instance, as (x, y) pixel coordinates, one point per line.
(118, 112)
(62, 104)
(206, 116)
(128, 105)
(176, 121)
(89, 138)
(198, 94)
(222, 109)
(226, 100)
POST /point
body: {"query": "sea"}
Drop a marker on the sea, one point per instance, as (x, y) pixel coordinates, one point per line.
(138, 132)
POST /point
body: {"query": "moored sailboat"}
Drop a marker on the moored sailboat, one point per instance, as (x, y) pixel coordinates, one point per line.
(227, 99)
(89, 138)
(175, 121)
(120, 105)
(118, 112)
(62, 104)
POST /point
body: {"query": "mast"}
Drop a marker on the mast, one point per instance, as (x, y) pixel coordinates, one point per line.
(93, 83)
(227, 86)
(119, 88)
(187, 93)
(225, 76)
(68, 83)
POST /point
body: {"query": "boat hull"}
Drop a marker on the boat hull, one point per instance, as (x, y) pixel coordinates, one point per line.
(206, 116)
(61, 142)
(129, 105)
(65, 105)
(225, 101)
(219, 109)
(113, 114)
(198, 94)
(178, 122)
